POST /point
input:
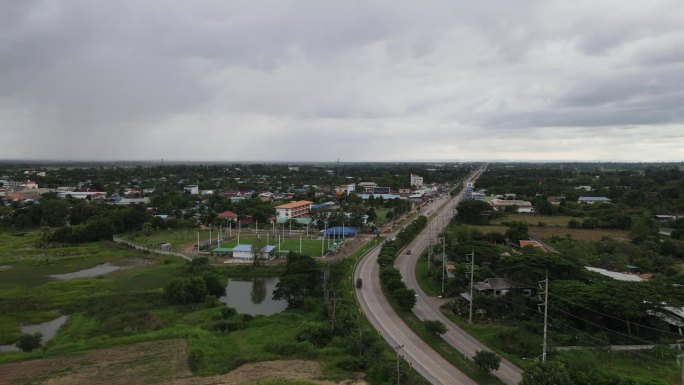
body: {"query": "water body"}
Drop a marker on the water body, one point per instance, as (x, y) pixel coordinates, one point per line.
(96, 271)
(47, 329)
(253, 296)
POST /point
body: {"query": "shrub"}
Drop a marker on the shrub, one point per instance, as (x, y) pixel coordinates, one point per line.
(29, 342)
(435, 327)
(487, 361)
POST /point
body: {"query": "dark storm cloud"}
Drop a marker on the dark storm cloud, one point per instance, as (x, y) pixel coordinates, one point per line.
(317, 80)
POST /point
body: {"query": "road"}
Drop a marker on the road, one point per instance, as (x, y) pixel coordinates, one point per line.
(428, 307)
(423, 358)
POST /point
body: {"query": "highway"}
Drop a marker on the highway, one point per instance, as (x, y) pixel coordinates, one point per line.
(422, 357)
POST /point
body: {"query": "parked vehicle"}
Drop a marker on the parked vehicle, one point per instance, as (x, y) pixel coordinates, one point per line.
(408, 252)
(359, 283)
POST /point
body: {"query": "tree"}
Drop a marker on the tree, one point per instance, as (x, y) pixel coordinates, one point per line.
(406, 298)
(186, 290)
(517, 231)
(546, 373)
(300, 279)
(487, 361)
(29, 342)
(474, 212)
(435, 327)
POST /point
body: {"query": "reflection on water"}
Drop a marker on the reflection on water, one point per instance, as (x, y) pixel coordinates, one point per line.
(253, 296)
(47, 329)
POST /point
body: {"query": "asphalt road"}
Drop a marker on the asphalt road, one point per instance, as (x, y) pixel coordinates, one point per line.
(428, 307)
(422, 357)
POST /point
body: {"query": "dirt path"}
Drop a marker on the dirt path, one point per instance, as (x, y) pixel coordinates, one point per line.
(157, 362)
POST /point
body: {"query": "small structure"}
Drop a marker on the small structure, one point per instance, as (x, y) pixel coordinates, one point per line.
(165, 246)
(339, 232)
(502, 286)
(228, 216)
(244, 252)
(191, 189)
(592, 200)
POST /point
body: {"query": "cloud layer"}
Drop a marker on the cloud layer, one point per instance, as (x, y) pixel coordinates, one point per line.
(357, 80)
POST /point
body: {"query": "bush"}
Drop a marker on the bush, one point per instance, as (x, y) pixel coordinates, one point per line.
(29, 342)
(196, 360)
(487, 361)
(316, 333)
(291, 349)
(435, 327)
(186, 290)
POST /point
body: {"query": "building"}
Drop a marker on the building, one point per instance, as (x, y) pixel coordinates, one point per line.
(502, 286)
(92, 195)
(554, 201)
(266, 197)
(191, 189)
(502, 204)
(416, 181)
(381, 190)
(339, 232)
(378, 196)
(244, 252)
(367, 186)
(470, 186)
(533, 243)
(294, 209)
(228, 216)
(592, 200)
(29, 184)
(345, 189)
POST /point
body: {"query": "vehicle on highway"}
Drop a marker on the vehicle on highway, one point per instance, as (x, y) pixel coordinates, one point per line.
(359, 283)
(408, 252)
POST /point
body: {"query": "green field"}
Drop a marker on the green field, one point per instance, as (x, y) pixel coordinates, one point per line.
(534, 219)
(128, 306)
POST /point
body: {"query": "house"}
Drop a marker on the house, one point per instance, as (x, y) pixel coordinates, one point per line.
(533, 243)
(28, 185)
(244, 252)
(92, 195)
(592, 200)
(585, 188)
(294, 209)
(477, 196)
(345, 189)
(554, 201)
(191, 189)
(522, 206)
(266, 197)
(416, 181)
(664, 219)
(228, 216)
(502, 286)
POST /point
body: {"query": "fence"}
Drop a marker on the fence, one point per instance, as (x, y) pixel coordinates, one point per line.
(138, 246)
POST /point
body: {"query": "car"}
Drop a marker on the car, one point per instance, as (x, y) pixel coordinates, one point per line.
(359, 283)
(408, 252)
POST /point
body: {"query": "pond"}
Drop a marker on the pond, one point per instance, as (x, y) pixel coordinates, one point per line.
(253, 296)
(47, 329)
(96, 271)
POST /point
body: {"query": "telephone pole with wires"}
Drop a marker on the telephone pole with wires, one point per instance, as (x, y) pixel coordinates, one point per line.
(472, 280)
(546, 312)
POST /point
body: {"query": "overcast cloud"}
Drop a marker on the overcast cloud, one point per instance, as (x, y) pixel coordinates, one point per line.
(356, 80)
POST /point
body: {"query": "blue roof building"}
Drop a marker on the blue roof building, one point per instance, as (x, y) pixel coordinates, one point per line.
(339, 232)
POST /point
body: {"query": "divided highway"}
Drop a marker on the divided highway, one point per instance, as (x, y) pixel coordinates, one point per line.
(424, 359)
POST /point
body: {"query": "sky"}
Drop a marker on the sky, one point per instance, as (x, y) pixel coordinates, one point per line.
(315, 80)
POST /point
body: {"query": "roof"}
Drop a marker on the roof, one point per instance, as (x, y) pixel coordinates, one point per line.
(248, 248)
(498, 284)
(227, 214)
(376, 196)
(615, 274)
(340, 231)
(594, 199)
(293, 205)
(508, 202)
(300, 220)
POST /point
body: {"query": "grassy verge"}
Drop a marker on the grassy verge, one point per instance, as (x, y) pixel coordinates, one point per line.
(426, 283)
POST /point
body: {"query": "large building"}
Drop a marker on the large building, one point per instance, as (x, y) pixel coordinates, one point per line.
(297, 209)
(416, 181)
(522, 206)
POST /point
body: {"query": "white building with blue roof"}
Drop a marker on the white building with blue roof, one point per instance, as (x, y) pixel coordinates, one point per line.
(244, 251)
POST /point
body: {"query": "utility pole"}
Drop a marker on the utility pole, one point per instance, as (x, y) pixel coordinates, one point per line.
(443, 262)
(396, 349)
(472, 280)
(546, 313)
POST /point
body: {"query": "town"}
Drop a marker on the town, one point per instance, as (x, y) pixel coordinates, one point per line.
(570, 270)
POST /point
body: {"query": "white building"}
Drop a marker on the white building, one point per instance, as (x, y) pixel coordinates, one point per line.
(244, 252)
(416, 181)
(191, 189)
(522, 206)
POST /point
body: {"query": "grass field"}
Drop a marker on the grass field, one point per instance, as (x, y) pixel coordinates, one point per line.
(534, 219)
(549, 232)
(427, 284)
(128, 307)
